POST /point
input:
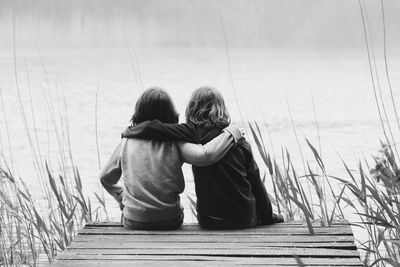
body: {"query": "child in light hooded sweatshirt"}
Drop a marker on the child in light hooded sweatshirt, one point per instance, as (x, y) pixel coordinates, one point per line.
(151, 170)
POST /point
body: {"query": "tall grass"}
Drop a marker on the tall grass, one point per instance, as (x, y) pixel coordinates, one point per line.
(34, 230)
(289, 194)
(27, 230)
(28, 227)
(375, 197)
(377, 191)
(373, 193)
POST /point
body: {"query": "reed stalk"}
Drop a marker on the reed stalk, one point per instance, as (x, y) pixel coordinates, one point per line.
(386, 65)
(229, 65)
(135, 67)
(7, 130)
(95, 128)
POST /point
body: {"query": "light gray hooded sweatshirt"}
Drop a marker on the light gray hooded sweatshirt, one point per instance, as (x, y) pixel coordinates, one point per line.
(152, 173)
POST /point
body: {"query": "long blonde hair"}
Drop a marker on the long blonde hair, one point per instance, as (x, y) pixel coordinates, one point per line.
(207, 107)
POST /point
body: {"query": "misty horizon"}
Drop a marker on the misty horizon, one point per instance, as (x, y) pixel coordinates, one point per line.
(304, 25)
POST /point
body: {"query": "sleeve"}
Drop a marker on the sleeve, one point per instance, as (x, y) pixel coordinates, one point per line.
(211, 152)
(156, 130)
(263, 203)
(237, 133)
(111, 173)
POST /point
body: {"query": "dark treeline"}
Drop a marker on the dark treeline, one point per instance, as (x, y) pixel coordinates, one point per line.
(315, 24)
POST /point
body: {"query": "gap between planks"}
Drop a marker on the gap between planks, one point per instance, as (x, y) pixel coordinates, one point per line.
(208, 260)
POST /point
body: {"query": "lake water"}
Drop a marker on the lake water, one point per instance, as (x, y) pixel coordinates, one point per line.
(265, 81)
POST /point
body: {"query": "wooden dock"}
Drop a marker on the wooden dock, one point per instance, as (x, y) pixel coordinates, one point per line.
(109, 244)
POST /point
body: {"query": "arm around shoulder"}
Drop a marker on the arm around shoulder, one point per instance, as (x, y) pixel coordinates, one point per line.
(211, 152)
(159, 131)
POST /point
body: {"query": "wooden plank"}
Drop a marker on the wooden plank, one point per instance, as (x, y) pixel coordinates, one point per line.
(186, 225)
(214, 238)
(272, 261)
(117, 244)
(304, 252)
(266, 231)
(130, 263)
(118, 263)
(195, 225)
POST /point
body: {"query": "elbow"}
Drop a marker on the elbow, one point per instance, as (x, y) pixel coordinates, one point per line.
(206, 159)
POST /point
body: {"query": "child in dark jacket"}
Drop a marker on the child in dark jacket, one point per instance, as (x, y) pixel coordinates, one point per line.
(230, 193)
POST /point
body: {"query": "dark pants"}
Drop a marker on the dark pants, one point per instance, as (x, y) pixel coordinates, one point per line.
(158, 225)
(212, 223)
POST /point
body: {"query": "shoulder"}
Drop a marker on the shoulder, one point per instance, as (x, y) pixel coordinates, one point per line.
(187, 126)
(244, 144)
(245, 148)
(141, 148)
(151, 144)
